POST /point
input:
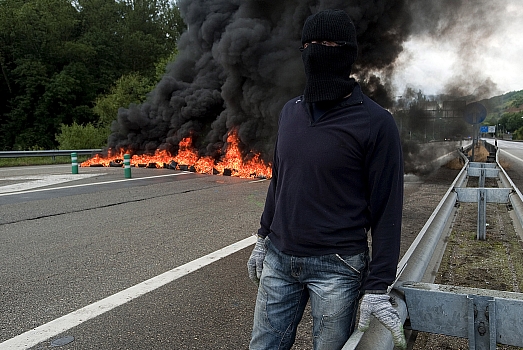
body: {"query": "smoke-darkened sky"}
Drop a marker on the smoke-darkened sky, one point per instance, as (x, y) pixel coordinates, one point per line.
(239, 62)
(472, 43)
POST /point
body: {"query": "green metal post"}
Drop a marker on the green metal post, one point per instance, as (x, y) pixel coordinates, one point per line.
(127, 165)
(74, 163)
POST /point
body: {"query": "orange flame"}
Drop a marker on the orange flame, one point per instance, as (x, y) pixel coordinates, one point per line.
(232, 163)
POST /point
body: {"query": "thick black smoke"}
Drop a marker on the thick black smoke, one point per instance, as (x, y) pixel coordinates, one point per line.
(239, 62)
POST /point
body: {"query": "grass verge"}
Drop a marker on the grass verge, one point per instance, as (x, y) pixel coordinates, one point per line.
(24, 161)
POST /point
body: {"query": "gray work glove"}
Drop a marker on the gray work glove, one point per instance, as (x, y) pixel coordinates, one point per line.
(379, 305)
(255, 262)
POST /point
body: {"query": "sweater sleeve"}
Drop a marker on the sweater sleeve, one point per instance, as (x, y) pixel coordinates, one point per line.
(384, 163)
(270, 200)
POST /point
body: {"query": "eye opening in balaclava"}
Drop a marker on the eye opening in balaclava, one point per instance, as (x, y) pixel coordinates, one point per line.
(328, 68)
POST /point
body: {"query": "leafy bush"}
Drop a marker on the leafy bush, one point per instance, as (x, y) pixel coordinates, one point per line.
(518, 134)
(77, 136)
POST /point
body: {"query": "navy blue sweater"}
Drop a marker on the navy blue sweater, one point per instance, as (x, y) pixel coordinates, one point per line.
(333, 180)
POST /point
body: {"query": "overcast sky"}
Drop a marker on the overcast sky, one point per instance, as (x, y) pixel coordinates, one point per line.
(433, 63)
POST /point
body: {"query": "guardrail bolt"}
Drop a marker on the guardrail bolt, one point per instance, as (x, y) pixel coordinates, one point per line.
(74, 163)
(482, 329)
(127, 165)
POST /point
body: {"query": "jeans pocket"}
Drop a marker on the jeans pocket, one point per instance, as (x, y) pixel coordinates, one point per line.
(357, 263)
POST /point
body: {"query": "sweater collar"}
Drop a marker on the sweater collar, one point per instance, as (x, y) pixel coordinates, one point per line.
(355, 98)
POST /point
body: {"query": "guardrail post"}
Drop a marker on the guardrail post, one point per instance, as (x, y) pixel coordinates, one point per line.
(74, 163)
(482, 176)
(482, 215)
(127, 165)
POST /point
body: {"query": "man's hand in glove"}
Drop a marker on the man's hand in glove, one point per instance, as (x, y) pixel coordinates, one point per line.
(255, 262)
(379, 305)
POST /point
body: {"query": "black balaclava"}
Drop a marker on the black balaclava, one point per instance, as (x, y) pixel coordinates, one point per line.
(328, 68)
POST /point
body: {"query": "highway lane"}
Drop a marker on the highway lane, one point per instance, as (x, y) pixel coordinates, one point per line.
(511, 159)
(64, 246)
(67, 245)
(23, 184)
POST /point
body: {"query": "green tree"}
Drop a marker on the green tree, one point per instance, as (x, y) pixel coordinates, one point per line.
(36, 38)
(517, 99)
(77, 136)
(512, 121)
(131, 88)
(57, 57)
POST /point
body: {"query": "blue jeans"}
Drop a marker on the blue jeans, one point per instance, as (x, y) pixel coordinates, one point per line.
(331, 282)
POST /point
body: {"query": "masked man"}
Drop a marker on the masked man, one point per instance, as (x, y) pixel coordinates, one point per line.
(337, 175)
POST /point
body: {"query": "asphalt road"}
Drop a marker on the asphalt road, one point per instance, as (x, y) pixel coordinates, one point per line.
(97, 261)
(67, 245)
(511, 158)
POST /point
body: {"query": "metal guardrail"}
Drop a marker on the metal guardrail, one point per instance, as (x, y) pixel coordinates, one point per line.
(48, 153)
(516, 198)
(415, 278)
(483, 316)
(486, 317)
(420, 259)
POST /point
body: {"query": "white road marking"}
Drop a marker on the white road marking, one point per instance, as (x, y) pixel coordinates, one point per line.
(94, 183)
(260, 180)
(75, 318)
(38, 167)
(39, 181)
